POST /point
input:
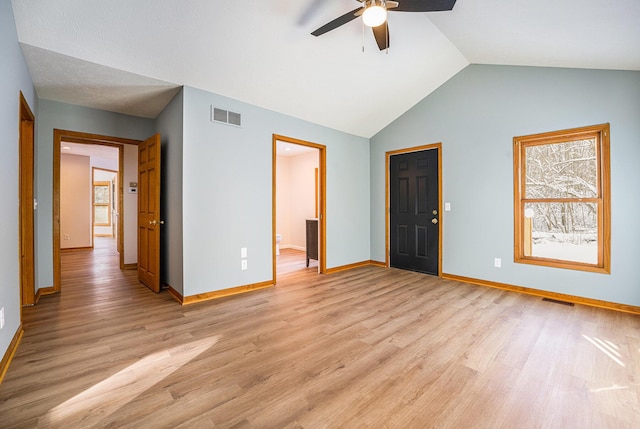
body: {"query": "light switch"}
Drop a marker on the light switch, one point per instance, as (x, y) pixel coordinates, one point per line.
(243, 252)
(447, 207)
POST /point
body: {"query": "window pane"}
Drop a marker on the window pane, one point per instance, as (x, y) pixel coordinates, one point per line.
(101, 194)
(562, 170)
(566, 231)
(101, 215)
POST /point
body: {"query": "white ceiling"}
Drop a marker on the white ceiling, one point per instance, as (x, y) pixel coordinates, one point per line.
(132, 56)
(291, 149)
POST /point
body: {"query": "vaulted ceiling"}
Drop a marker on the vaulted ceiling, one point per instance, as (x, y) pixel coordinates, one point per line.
(132, 56)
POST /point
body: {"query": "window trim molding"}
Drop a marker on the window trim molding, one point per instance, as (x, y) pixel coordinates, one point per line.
(94, 204)
(602, 134)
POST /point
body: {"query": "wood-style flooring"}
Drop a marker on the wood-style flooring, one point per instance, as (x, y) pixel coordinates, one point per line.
(370, 347)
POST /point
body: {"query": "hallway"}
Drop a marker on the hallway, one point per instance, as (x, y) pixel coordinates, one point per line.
(94, 270)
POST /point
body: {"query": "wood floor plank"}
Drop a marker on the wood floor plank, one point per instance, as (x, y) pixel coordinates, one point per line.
(368, 347)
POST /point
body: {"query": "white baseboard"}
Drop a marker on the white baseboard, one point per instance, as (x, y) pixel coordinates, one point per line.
(292, 246)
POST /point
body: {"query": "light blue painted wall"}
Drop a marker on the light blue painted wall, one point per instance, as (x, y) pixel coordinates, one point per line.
(14, 77)
(170, 126)
(63, 116)
(227, 197)
(475, 115)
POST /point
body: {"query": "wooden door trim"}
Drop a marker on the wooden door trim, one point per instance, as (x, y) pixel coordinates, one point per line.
(84, 138)
(322, 209)
(438, 147)
(26, 224)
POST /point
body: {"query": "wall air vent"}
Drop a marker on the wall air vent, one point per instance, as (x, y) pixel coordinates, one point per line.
(225, 117)
(234, 118)
(557, 301)
(219, 115)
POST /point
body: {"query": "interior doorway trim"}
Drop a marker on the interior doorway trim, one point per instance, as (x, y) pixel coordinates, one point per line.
(437, 146)
(84, 138)
(27, 202)
(322, 195)
(111, 205)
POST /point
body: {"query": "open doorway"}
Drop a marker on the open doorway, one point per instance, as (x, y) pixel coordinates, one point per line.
(298, 206)
(88, 209)
(87, 198)
(77, 157)
(104, 211)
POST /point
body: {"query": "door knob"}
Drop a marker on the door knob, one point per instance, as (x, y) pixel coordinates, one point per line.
(153, 222)
(434, 221)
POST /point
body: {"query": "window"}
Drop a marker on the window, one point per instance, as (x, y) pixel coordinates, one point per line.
(561, 199)
(102, 203)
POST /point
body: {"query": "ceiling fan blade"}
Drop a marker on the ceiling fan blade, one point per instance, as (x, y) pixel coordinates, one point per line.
(381, 33)
(347, 17)
(424, 5)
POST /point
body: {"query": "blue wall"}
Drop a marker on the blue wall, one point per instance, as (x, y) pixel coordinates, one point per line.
(227, 192)
(15, 78)
(169, 124)
(475, 115)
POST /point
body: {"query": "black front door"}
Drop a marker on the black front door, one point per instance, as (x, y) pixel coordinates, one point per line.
(414, 211)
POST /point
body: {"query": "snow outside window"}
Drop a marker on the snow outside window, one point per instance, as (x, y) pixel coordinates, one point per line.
(561, 199)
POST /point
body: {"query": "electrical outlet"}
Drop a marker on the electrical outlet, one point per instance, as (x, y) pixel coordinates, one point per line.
(497, 262)
(66, 236)
(244, 264)
(2, 318)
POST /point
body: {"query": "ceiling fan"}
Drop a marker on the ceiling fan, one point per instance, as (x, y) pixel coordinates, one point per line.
(374, 15)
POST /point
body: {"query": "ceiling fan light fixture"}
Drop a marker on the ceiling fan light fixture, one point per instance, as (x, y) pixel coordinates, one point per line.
(374, 15)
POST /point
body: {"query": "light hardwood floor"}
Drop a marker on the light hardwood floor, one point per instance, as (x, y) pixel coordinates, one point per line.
(292, 261)
(369, 347)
